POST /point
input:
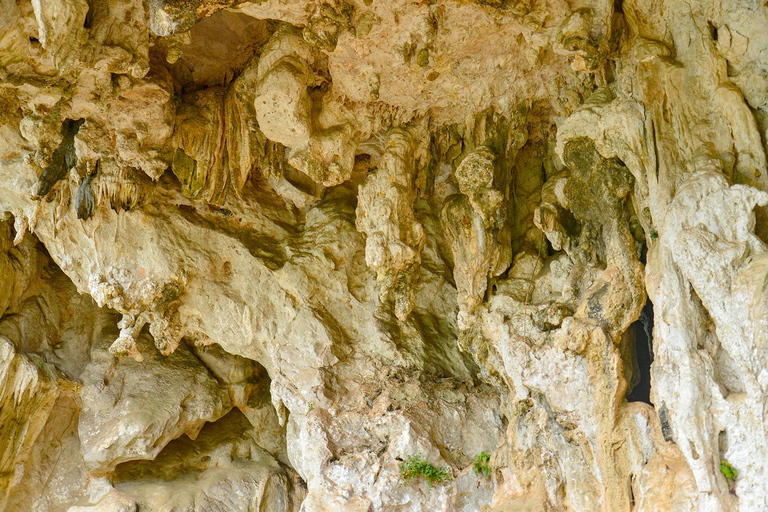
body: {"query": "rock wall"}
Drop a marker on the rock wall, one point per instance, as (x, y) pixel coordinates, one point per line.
(270, 255)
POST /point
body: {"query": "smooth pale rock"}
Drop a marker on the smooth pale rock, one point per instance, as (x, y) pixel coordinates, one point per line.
(283, 105)
(113, 501)
(222, 469)
(333, 234)
(131, 410)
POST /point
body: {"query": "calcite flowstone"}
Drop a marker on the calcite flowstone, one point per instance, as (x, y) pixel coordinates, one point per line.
(257, 255)
(37, 409)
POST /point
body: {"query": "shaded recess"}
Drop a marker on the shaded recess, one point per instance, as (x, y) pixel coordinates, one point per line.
(222, 469)
(216, 50)
(46, 333)
(185, 456)
(41, 311)
(641, 332)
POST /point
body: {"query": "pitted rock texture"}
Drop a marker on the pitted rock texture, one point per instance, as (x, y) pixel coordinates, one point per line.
(257, 255)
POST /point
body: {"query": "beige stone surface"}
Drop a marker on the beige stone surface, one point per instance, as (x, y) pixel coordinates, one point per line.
(255, 255)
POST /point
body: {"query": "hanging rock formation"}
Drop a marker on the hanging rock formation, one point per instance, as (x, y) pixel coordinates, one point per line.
(281, 255)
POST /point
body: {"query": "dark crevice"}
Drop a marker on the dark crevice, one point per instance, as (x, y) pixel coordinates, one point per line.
(89, 15)
(63, 158)
(642, 331)
(712, 31)
(219, 48)
(644, 254)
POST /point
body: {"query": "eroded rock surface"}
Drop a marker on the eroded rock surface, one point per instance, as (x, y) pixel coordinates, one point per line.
(259, 255)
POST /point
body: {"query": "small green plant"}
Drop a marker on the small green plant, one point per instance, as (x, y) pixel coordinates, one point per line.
(654, 234)
(414, 466)
(481, 465)
(728, 471)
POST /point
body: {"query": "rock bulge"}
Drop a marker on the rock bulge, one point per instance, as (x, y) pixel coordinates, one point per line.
(256, 255)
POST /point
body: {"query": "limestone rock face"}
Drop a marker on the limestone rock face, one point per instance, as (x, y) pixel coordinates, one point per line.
(120, 422)
(355, 255)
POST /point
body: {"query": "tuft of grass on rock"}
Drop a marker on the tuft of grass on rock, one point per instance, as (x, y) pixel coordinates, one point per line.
(480, 465)
(414, 467)
(728, 471)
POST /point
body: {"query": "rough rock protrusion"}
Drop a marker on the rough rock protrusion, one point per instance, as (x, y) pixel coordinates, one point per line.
(285, 111)
(344, 233)
(474, 221)
(133, 409)
(394, 238)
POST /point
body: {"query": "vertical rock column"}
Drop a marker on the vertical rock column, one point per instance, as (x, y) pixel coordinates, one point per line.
(385, 214)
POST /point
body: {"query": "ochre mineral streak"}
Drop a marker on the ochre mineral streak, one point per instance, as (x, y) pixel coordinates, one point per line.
(383, 255)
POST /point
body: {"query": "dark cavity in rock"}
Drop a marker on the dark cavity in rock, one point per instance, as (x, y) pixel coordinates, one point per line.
(643, 336)
(63, 159)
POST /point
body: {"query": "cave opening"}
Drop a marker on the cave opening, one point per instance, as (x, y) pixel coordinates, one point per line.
(642, 336)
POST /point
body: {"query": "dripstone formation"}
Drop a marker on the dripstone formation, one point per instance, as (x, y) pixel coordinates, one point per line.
(282, 255)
